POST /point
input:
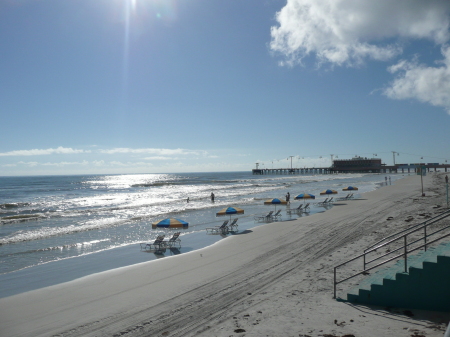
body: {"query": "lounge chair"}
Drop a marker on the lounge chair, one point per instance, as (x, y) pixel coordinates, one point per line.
(156, 245)
(277, 215)
(233, 226)
(296, 210)
(306, 208)
(174, 240)
(322, 203)
(330, 201)
(344, 198)
(223, 229)
(266, 217)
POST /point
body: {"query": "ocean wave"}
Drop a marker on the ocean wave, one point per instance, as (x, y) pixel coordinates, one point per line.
(13, 205)
(189, 182)
(157, 184)
(20, 218)
(61, 247)
(46, 232)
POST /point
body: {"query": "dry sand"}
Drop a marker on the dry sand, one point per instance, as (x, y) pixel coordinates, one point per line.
(273, 280)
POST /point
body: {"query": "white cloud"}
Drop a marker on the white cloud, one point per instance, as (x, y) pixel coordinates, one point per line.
(161, 152)
(160, 158)
(98, 162)
(117, 163)
(426, 84)
(66, 163)
(30, 163)
(345, 32)
(42, 152)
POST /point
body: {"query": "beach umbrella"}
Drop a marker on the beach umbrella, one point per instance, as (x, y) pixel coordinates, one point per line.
(305, 196)
(350, 188)
(230, 211)
(170, 223)
(275, 202)
(328, 192)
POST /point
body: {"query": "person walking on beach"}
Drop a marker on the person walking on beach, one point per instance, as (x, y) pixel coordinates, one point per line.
(187, 200)
(212, 197)
(288, 198)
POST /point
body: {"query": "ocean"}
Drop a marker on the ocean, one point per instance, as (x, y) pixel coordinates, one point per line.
(57, 228)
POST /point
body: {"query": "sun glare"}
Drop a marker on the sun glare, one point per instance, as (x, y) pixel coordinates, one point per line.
(137, 16)
(150, 8)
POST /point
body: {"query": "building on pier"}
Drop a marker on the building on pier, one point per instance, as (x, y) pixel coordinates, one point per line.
(357, 164)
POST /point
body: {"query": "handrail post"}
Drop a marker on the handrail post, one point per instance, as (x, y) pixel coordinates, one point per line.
(406, 254)
(364, 260)
(425, 236)
(334, 282)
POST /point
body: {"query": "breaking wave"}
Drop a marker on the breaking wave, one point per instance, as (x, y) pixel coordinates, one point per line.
(46, 232)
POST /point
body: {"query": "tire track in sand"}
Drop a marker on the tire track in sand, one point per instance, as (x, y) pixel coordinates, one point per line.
(214, 302)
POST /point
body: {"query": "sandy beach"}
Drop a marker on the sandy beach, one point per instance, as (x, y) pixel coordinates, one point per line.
(273, 280)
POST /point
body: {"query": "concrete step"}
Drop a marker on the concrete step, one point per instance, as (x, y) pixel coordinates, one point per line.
(425, 286)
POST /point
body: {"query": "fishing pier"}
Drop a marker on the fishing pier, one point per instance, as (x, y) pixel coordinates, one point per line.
(356, 165)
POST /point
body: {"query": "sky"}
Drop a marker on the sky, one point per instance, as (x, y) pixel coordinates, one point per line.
(160, 86)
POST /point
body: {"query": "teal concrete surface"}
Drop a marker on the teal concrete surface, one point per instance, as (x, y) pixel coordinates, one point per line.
(426, 286)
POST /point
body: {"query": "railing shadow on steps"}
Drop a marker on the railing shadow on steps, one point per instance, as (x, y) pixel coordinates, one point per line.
(400, 239)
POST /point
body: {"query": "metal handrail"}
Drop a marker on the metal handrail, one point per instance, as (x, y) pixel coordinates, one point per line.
(410, 230)
(404, 247)
(422, 224)
(409, 244)
(447, 332)
(380, 264)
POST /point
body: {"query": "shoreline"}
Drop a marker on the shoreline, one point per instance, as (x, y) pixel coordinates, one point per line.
(272, 280)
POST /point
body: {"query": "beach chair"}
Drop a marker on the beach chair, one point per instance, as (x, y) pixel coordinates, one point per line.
(296, 210)
(223, 229)
(233, 226)
(330, 201)
(306, 208)
(344, 198)
(321, 203)
(266, 217)
(156, 245)
(277, 215)
(174, 240)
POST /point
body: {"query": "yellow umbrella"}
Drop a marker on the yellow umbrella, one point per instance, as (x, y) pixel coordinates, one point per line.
(328, 192)
(275, 202)
(230, 211)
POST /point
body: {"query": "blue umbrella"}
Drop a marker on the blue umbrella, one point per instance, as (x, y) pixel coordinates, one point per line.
(230, 211)
(305, 196)
(170, 223)
(350, 188)
(328, 192)
(275, 202)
